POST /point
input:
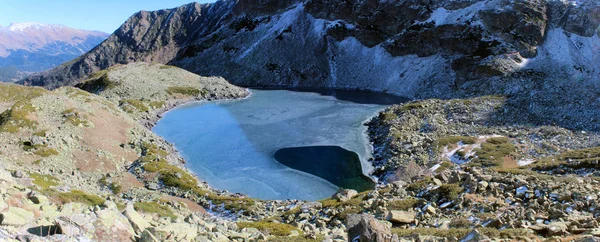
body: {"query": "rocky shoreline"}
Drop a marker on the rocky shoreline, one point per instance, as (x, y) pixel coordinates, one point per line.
(447, 169)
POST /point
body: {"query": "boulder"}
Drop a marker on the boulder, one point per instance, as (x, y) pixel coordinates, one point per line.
(398, 216)
(16, 217)
(365, 228)
(345, 195)
(112, 225)
(475, 236)
(67, 227)
(138, 222)
(174, 231)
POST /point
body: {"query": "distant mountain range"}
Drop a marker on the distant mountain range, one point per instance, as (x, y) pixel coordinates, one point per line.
(34, 47)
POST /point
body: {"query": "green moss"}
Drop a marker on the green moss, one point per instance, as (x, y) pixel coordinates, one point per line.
(231, 203)
(16, 118)
(355, 201)
(411, 106)
(493, 151)
(171, 176)
(28, 146)
(583, 158)
(97, 82)
(448, 191)
(13, 93)
(156, 104)
(460, 223)
(389, 116)
(44, 181)
(46, 152)
(80, 197)
(115, 188)
(189, 91)
(453, 140)
(132, 105)
(41, 133)
(348, 211)
(445, 165)
(74, 118)
(277, 229)
(420, 184)
(404, 204)
(154, 208)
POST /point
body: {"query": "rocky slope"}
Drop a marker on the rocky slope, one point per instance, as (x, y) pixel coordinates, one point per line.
(71, 160)
(437, 46)
(145, 90)
(34, 47)
(536, 50)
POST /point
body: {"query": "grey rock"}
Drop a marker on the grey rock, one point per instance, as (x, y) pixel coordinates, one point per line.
(365, 228)
(345, 195)
(137, 221)
(16, 217)
(398, 216)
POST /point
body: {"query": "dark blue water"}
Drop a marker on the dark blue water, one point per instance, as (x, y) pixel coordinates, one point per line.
(231, 144)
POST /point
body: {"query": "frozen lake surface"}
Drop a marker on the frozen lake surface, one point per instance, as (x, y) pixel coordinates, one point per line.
(231, 144)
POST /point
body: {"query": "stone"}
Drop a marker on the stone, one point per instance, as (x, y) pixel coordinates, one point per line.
(36, 140)
(475, 236)
(17, 174)
(430, 209)
(218, 237)
(16, 217)
(147, 236)
(345, 195)
(365, 228)
(5, 176)
(398, 216)
(67, 227)
(174, 231)
(112, 225)
(138, 222)
(37, 198)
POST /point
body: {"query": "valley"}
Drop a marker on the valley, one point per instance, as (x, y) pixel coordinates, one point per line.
(282, 121)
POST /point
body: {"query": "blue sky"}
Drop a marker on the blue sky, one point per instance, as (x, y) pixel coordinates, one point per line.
(103, 15)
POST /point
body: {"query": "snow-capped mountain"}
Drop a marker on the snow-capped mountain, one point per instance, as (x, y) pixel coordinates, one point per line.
(36, 47)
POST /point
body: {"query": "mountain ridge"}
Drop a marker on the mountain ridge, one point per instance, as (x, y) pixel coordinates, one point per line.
(33, 47)
(437, 49)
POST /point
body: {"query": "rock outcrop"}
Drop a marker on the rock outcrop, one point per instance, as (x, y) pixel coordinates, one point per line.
(435, 49)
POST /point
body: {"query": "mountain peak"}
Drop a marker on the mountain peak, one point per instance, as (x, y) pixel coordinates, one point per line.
(30, 25)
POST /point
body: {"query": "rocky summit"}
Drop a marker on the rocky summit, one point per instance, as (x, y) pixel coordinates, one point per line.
(501, 142)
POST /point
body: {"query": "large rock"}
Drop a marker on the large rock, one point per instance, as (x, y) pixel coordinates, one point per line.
(137, 221)
(16, 217)
(68, 227)
(345, 195)
(174, 231)
(398, 216)
(475, 236)
(365, 228)
(112, 225)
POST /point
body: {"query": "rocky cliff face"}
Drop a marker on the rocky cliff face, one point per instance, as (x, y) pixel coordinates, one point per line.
(419, 49)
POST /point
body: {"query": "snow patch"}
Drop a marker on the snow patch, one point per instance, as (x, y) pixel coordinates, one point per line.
(285, 20)
(568, 53)
(521, 190)
(31, 25)
(443, 16)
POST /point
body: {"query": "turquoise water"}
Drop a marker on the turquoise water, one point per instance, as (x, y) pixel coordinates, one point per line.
(231, 144)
